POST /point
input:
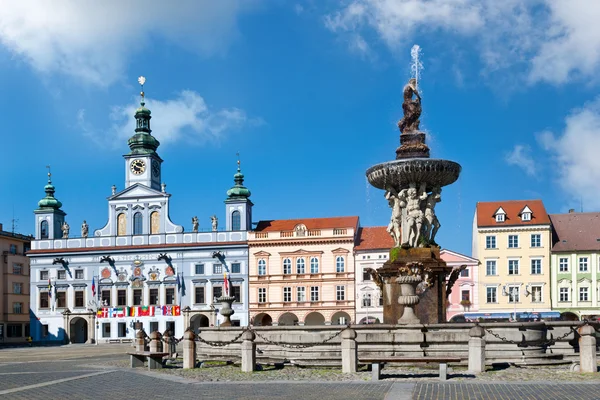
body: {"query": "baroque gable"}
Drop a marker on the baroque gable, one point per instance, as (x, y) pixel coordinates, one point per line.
(137, 191)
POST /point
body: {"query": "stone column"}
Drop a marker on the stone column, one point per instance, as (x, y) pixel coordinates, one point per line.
(156, 345)
(91, 325)
(140, 340)
(248, 351)
(189, 350)
(186, 318)
(587, 349)
(349, 351)
(477, 349)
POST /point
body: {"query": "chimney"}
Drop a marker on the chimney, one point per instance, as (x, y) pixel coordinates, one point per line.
(571, 210)
(0, 227)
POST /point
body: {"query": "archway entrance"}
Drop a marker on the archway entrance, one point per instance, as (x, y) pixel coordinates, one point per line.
(288, 319)
(199, 321)
(340, 318)
(314, 318)
(369, 321)
(263, 320)
(569, 316)
(78, 330)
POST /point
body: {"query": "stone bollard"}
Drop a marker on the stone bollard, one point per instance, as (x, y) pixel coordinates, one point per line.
(477, 349)
(587, 349)
(168, 343)
(248, 351)
(156, 345)
(140, 340)
(349, 351)
(189, 349)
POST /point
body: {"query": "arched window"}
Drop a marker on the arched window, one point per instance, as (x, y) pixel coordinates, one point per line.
(300, 266)
(314, 265)
(44, 230)
(339, 264)
(138, 223)
(121, 224)
(236, 221)
(262, 267)
(287, 266)
(154, 223)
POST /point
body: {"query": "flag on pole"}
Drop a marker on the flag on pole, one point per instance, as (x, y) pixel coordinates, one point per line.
(178, 284)
(225, 283)
(94, 286)
(49, 288)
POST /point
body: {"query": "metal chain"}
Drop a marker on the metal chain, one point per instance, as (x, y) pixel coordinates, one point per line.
(220, 344)
(549, 342)
(296, 346)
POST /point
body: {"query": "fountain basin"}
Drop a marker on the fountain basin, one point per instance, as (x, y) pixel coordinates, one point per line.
(400, 173)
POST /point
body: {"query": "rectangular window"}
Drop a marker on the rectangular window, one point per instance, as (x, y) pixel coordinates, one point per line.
(499, 217)
(14, 330)
(262, 295)
(491, 295)
(78, 274)
(536, 240)
(490, 242)
(464, 273)
(44, 303)
(563, 264)
(121, 297)
(340, 293)
(45, 330)
(490, 267)
(564, 294)
(106, 297)
(514, 296)
(583, 264)
(13, 249)
(137, 297)
(526, 216)
(199, 295)
(314, 293)
(287, 266)
(17, 288)
(153, 297)
(262, 267)
(79, 301)
(18, 269)
(199, 269)
(513, 267)
(17, 308)
(217, 269)
(301, 293)
(236, 268)
(170, 296)
(513, 241)
(236, 292)
(122, 329)
(217, 291)
(366, 300)
(366, 274)
(106, 330)
(536, 267)
(536, 294)
(287, 294)
(583, 294)
(465, 295)
(62, 274)
(61, 299)
(153, 326)
(43, 275)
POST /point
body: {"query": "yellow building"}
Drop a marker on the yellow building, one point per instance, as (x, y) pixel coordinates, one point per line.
(301, 272)
(14, 287)
(512, 241)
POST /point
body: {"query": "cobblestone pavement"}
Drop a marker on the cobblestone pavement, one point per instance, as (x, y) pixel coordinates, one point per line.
(98, 372)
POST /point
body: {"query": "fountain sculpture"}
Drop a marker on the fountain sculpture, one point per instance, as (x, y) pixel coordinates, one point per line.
(413, 280)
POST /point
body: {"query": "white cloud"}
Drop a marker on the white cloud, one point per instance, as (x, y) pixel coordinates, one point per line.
(92, 40)
(575, 151)
(186, 118)
(520, 156)
(554, 40)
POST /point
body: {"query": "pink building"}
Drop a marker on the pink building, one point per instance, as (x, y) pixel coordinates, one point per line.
(464, 296)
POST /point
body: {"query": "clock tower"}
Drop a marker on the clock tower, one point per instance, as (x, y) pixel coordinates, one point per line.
(142, 163)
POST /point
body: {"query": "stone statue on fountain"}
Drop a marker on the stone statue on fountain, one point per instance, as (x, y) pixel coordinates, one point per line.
(411, 108)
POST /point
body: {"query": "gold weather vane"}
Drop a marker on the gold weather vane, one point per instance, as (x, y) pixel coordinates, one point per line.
(49, 173)
(238, 159)
(141, 81)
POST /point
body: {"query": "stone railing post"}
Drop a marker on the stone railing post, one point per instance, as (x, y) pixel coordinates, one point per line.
(156, 345)
(587, 349)
(189, 349)
(248, 351)
(476, 349)
(140, 340)
(349, 351)
(167, 342)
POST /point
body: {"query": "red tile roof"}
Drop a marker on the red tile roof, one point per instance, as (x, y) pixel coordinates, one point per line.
(576, 232)
(374, 238)
(310, 223)
(486, 211)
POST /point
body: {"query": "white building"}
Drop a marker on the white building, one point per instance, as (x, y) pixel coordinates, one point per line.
(140, 267)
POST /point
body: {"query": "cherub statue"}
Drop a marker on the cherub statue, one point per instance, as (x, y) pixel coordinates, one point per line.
(65, 230)
(397, 202)
(195, 224)
(414, 214)
(215, 222)
(411, 107)
(431, 221)
(84, 229)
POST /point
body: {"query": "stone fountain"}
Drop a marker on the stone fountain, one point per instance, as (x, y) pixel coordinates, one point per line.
(413, 280)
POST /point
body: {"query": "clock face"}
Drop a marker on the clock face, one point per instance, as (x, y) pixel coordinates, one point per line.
(155, 168)
(138, 167)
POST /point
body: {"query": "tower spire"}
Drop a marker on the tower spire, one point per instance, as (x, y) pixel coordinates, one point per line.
(49, 202)
(238, 191)
(142, 142)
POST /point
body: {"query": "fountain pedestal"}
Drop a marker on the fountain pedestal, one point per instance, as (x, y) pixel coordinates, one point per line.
(226, 310)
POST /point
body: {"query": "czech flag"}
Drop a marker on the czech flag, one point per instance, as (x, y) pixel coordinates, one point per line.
(94, 286)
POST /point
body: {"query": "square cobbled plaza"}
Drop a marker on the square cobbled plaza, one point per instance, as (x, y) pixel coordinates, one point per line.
(102, 372)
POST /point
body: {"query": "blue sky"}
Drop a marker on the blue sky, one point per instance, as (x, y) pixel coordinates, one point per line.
(309, 93)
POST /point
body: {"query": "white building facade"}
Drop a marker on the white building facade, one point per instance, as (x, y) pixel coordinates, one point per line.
(140, 270)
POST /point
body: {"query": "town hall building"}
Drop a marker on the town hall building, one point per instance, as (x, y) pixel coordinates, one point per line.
(140, 270)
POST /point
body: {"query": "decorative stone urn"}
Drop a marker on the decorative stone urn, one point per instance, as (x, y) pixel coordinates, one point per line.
(226, 310)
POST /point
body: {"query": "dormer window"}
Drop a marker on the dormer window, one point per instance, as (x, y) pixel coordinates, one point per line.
(499, 217)
(526, 216)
